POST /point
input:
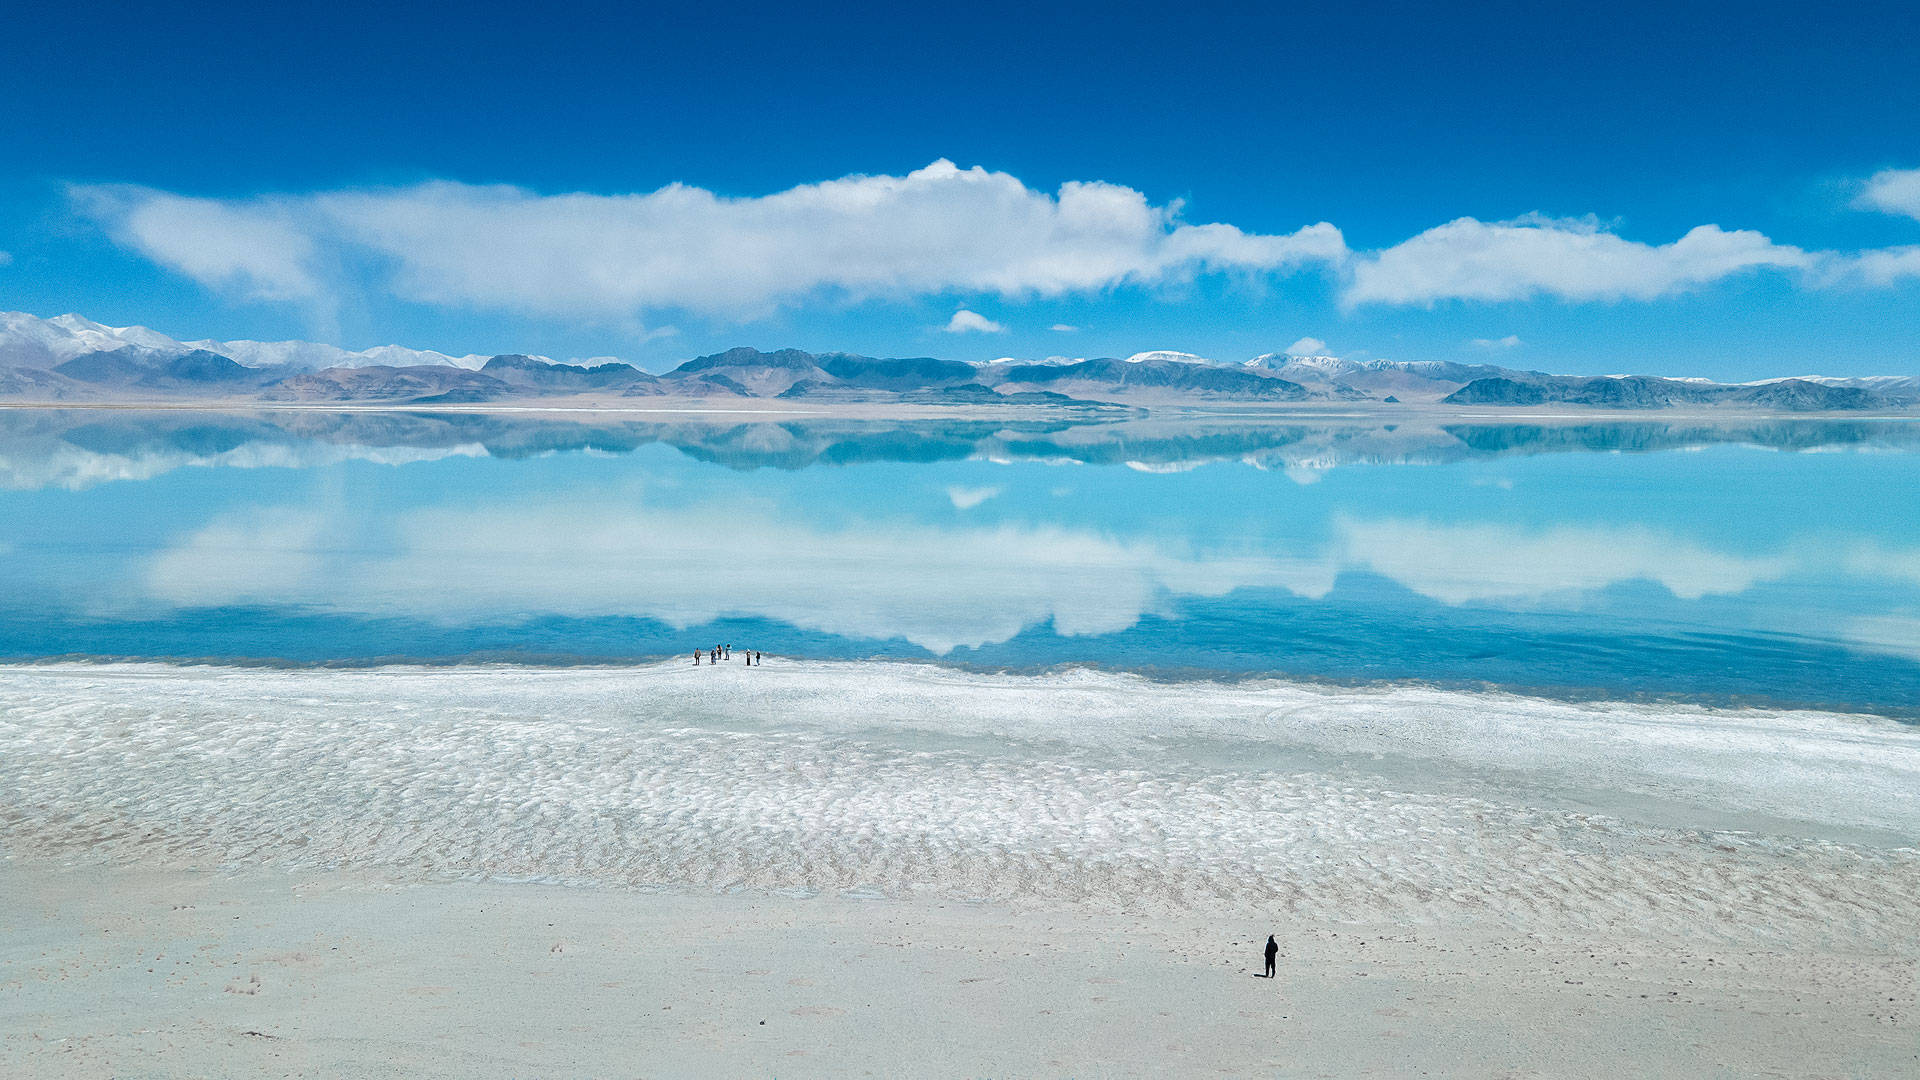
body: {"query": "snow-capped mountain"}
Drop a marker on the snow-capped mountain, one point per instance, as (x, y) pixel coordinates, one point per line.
(27, 341)
(1326, 367)
(312, 356)
(32, 342)
(69, 358)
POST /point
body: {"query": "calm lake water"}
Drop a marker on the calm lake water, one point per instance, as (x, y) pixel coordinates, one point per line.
(1772, 561)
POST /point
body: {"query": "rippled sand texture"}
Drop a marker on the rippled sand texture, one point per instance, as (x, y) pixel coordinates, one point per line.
(1100, 791)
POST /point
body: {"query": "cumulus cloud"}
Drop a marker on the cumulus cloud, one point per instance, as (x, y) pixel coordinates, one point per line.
(1872, 269)
(937, 229)
(1892, 191)
(972, 322)
(1063, 328)
(1307, 346)
(1570, 259)
(1511, 341)
(260, 248)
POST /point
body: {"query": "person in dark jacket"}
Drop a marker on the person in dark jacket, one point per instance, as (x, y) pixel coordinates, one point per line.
(1273, 950)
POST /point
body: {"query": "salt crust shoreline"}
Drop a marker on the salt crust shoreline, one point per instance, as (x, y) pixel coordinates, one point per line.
(911, 870)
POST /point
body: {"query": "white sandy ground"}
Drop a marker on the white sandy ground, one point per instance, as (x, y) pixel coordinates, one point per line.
(140, 973)
(907, 870)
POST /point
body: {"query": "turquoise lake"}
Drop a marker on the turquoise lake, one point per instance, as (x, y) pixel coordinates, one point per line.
(1762, 561)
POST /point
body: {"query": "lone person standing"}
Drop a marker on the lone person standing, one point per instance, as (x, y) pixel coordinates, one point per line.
(1273, 950)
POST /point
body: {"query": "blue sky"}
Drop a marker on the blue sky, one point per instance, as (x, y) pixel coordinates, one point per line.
(1725, 190)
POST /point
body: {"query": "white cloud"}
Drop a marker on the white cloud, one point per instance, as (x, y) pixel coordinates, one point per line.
(1307, 346)
(6, 258)
(1892, 564)
(966, 498)
(1063, 328)
(972, 322)
(1571, 259)
(1892, 191)
(1511, 341)
(260, 248)
(938, 229)
(1873, 269)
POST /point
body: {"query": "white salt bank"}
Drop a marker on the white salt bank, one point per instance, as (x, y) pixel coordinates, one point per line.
(594, 872)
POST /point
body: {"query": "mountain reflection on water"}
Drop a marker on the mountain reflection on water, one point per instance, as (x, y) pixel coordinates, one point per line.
(1773, 559)
(145, 440)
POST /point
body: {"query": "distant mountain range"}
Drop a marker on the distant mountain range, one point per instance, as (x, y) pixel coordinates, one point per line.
(74, 360)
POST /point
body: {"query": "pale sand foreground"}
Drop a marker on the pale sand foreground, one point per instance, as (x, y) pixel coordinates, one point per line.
(909, 870)
(130, 973)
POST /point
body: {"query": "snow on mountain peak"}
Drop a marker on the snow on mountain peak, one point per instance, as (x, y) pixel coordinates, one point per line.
(312, 356)
(1325, 367)
(1167, 354)
(28, 340)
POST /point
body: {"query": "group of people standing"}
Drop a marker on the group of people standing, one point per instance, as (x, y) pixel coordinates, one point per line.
(725, 652)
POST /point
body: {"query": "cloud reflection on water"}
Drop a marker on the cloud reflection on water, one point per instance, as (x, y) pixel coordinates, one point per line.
(959, 534)
(1463, 563)
(937, 586)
